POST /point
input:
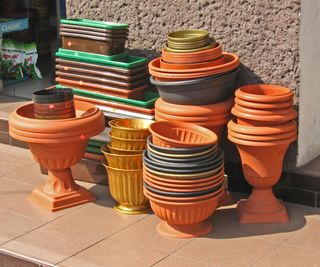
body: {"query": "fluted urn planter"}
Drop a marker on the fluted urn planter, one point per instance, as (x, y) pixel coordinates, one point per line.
(57, 145)
(262, 131)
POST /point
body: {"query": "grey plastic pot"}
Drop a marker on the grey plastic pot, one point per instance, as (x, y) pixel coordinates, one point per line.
(212, 161)
(209, 90)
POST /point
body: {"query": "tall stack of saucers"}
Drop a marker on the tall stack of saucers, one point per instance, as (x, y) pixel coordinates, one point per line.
(196, 81)
(183, 177)
(94, 64)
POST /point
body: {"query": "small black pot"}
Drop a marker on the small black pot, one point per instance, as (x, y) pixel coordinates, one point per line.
(174, 170)
(181, 166)
(204, 91)
(195, 159)
(52, 96)
(182, 194)
(182, 151)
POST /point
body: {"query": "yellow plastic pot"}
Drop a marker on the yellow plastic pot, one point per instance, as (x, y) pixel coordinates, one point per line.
(130, 128)
(126, 187)
(120, 151)
(127, 162)
(128, 144)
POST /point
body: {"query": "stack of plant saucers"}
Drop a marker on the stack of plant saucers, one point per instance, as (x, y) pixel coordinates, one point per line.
(195, 79)
(262, 131)
(183, 177)
(124, 164)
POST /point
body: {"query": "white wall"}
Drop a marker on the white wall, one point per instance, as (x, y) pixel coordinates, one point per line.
(309, 103)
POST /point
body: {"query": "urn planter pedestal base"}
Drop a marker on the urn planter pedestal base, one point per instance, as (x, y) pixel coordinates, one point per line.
(60, 192)
(262, 207)
(132, 210)
(184, 231)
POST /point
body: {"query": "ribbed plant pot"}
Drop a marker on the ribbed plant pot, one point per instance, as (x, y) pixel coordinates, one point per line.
(126, 187)
(57, 145)
(262, 167)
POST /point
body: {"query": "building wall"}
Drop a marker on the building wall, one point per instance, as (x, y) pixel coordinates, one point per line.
(309, 108)
(263, 32)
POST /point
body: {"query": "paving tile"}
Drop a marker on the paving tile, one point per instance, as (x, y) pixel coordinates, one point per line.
(13, 158)
(113, 253)
(13, 225)
(227, 219)
(14, 199)
(174, 261)
(4, 138)
(223, 248)
(144, 234)
(4, 127)
(30, 174)
(9, 261)
(18, 143)
(307, 238)
(286, 256)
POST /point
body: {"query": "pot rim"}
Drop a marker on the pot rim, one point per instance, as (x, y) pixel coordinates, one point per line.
(122, 170)
(199, 35)
(212, 43)
(113, 124)
(186, 66)
(245, 94)
(265, 105)
(124, 139)
(105, 150)
(262, 130)
(262, 138)
(189, 182)
(262, 112)
(204, 53)
(262, 143)
(232, 60)
(120, 149)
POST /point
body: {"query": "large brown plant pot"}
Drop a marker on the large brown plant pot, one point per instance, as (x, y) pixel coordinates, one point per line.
(57, 145)
(262, 167)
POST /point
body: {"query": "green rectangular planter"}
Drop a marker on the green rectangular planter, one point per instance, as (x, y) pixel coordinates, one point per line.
(121, 60)
(95, 24)
(148, 101)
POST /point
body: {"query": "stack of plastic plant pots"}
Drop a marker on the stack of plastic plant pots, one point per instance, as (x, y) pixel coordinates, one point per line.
(183, 177)
(195, 79)
(124, 164)
(93, 63)
(262, 131)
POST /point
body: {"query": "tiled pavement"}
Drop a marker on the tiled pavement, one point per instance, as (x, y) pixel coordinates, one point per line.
(95, 235)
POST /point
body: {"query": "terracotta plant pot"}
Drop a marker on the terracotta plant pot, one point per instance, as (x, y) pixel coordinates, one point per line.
(180, 134)
(126, 187)
(126, 162)
(57, 145)
(231, 62)
(194, 57)
(186, 219)
(185, 66)
(257, 146)
(130, 128)
(211, 44)
(198, 91)
(264, 106)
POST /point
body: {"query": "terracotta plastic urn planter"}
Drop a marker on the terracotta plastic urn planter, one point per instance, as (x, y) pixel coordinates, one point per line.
(58, 145)
(181, 135)
(262, 166)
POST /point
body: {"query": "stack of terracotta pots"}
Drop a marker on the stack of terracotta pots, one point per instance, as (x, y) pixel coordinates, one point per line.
(53, 104)
(124, 164)
(183, 177)
(195, 79)
(262, 131)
